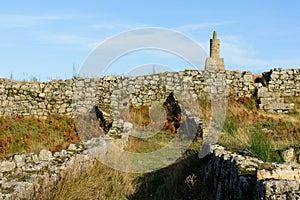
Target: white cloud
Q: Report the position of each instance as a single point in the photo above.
(193, 27)
(117, 26)
(10, 21)
(240, 55)
(68, 39)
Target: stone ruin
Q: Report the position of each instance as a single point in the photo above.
(230, 175)
(36, 176)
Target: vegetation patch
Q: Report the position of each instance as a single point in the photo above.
(178, 181)
(31, 134)
(262, 134)
(245, 127)
(145, 145)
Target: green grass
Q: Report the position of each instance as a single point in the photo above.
(144, 145)
(262, 147)
(231, 126)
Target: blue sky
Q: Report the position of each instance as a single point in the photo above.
(46, 39)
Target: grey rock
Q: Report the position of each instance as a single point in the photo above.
(20, 160)
(75, 147)
(45, 155)
(6, 166)
(289, 155)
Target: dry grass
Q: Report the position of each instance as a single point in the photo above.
(101, 182)
(144, 145)
(173, 182)
(140, 115)
(262, 133)
(31, 134)
(204, 108)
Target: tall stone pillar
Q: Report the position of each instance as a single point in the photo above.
(214, 62)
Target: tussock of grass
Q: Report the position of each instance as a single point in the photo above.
(101, 182)
(204, 107)
(231, 126)
(140, 115)
(262, 147)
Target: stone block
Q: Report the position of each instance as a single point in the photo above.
(6, 166)
(45, 155)
(20, 160)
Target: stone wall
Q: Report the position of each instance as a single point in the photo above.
(65, 96)
(276, 86)
(233, 176)
(38, 176)
(32, 176)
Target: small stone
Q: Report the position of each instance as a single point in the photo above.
(127, 126)
(20, 160)
(61, 110)
(289, 155)
(25, 190)
(248, 78)
(35, 158)
(6, 166)
(69, 93)
(45, 155)
(56, 154)
(42, 95)
(74, 147)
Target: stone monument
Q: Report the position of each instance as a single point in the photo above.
(214, 62)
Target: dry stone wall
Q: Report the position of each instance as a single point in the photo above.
(38, 176)
(275, 87)
(233, 176)
(65, 96)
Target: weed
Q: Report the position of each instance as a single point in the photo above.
(144, 145)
